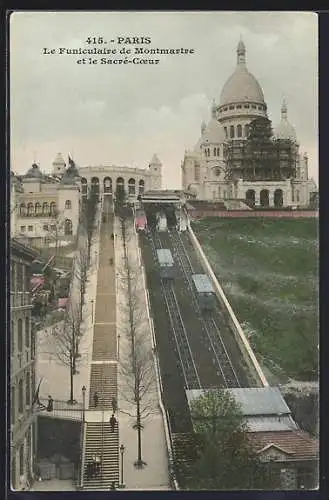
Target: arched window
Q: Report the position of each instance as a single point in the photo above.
(141, 187)
(218, 151)
(297, 196)
(250, 197)
(232, 131)
(219, 192)
(264, 198)
(278, 198)
(131, 186)
(45, 208)
(20, 396)
(52, 209)
(38, 209)
(28, 389)
(225, 132)
(197, 172)
(84, 185)
(68, 231)
(22, 209)
(27, 331)
(95, 185)
(20, 335)
(215, 151)
(68, 204)
(30, 208)
(239, 131)
(246, 130)
(107, 185)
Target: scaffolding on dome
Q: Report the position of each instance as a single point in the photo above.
(273, 160)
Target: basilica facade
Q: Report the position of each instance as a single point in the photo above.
(215, 168)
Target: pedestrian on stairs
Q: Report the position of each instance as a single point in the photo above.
(113, 422)
(96, 399)
(114, 404)
(113, 486)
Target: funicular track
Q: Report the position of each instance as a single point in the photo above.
(211, 329)
(191, 377)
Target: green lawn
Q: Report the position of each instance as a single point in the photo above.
(269, 271)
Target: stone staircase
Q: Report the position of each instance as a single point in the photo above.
(104, 380)
(99, 440)
(105, 342)
(102, 442)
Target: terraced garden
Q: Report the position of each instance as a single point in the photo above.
(269, 271)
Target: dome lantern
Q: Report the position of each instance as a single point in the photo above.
(213, 109)
(242, 86)
(241, 53)
(284, 130)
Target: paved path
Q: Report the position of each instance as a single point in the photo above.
(56, 376)
(154, 476)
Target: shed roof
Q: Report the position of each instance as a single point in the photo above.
(202, 283)
(253, 400)
(165, 257)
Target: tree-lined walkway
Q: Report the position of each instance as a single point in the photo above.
(99, 440)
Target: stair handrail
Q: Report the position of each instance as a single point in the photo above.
(83, 452)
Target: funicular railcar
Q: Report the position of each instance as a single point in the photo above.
(205, 291)
(166, 264)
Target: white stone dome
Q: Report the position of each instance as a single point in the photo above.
(242, 86)
(284, 130)
(213, 133)
(59, 160)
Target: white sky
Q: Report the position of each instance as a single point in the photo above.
(121, 115)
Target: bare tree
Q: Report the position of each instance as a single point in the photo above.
(136, 360)
(81, 266)
(66, 339)
(55, 228)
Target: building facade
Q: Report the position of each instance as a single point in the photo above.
(22, 381)
(107, 179)
(213, 169)
(46, 207)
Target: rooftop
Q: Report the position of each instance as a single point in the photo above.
(254, 400)
(297, 444)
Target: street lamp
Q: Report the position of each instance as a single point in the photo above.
(84, 402)
(122, 450)
(92, 310)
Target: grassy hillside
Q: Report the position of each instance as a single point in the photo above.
(269, 271)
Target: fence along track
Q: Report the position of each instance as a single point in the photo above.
(191, 376)
(223, 359)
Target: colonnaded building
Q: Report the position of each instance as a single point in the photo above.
(46, 207)
(221, 167)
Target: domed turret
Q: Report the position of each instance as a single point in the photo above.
(34, 172)
(242, 86)
(213, 133)
(155, 161)
(59, 165)
(284, 129)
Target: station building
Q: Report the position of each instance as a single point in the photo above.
(46, 207)
(215, 168)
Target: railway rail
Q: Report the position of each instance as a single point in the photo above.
(225, 365)
(190, 372)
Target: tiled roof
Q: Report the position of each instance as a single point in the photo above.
(298, 444)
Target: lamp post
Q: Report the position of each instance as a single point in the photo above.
(122, 450)
(92, 310)
(84, 403)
